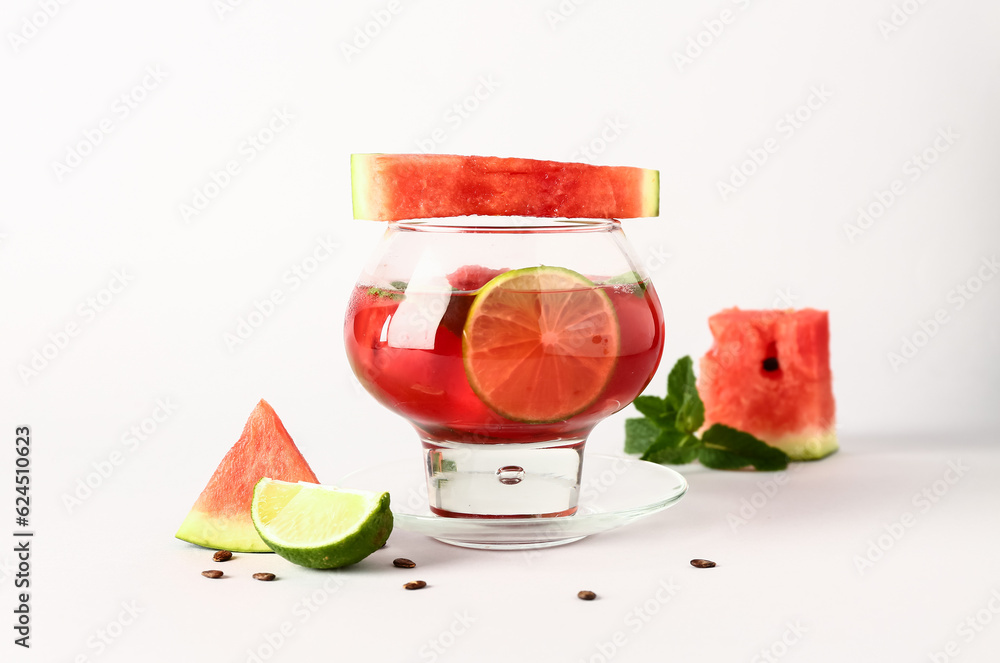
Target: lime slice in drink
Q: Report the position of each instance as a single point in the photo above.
(540, 344)
(320, 526)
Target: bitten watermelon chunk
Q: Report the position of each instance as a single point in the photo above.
(391, 187)
(768, 373)
(221, 516)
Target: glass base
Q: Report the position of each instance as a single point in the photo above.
(539, 480)
(477, 545)
(614, 491)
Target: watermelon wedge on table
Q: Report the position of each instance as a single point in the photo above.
(393, 187)
(221, 517)
(768, 373)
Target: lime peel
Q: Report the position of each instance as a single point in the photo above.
(320, 526)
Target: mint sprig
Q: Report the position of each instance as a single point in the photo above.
(666, 431)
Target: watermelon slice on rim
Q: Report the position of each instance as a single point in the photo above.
(768, 373)
(393, 187)
(221, 517)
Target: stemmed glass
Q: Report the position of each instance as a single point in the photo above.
(504, 341)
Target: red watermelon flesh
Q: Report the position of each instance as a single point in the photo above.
(768, 373)
(221, 517)
(473, 277)
(465, 279)
(392, 187)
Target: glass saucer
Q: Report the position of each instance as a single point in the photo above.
(614, 491)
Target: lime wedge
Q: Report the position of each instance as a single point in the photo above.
(320, 526)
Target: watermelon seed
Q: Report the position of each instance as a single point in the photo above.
(403, 563)
(222, 556)
(214, 573)
(702, 563)
(416, 584)
(264, 576)
(586, 595)
(771, 364)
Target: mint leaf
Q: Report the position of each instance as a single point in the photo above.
(725, 448)
(683, 398)
(387, 294)
(691, 414)
(681, 381)
(650, 406)
(630, 279)
(640, 433)
(674, 448)
(657, 410)
(399, 285)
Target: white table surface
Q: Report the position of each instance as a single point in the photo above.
(794, 581)
(564, 85)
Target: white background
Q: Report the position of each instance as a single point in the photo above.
(560, 76)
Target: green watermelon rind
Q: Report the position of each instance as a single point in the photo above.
(360, 180)
(651, 194)
(806, 446)
(208, 531)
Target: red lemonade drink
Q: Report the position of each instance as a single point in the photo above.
(430, 386)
